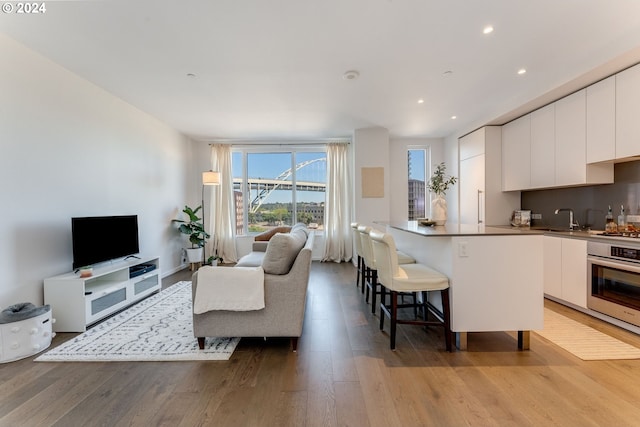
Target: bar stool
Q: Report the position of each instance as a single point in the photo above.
(408, 278)
(360, 282)
(371, 270)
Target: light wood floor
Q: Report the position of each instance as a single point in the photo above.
(342, 375)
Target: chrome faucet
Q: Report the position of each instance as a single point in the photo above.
(572, 224)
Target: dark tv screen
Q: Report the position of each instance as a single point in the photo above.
(103, 238)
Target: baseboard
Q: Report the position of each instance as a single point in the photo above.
(174, 270)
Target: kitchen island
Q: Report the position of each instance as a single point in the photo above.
(495, 274)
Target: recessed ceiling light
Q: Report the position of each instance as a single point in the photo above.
(420, 101)
(447, 73)
(191, 75)
(454, 117)
(522, 71)
(487, 30)
(351, 75)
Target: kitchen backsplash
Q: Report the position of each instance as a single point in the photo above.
(589, 203)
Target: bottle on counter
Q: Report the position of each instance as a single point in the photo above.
(622, 220)
(610, 224)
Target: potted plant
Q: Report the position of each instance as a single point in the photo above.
(194, 228)
(439, 183)
(213, 260)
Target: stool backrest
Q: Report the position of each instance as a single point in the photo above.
(356, 238)
(367, 247)
(384, 251)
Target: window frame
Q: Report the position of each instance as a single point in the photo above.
(245, 150)
(427, 175)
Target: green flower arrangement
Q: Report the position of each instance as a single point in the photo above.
(439, 183)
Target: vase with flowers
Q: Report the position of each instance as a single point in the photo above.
(438, 184)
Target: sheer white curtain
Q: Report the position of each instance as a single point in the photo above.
(337, 208)
(222, 209)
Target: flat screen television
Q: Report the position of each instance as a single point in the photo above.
(102, 238)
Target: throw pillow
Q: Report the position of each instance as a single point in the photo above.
(282, 251)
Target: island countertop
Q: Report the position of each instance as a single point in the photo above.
(455, 229)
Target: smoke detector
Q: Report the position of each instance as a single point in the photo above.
(351, 75)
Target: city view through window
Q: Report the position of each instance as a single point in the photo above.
(417, 191)
(267, 186)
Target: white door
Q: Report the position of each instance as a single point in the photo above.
(472, 173)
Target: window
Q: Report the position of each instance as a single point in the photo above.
(268, 183)
(417, 161)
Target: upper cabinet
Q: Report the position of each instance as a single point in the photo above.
(516, 154)
(557, 143)
(628, 113)
(601, 121)
(543, 142)
(571, 139)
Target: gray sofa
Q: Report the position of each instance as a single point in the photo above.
(286, 261)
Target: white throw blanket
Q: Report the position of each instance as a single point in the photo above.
(229, 288)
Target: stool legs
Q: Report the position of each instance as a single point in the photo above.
(447, 318)
(391, 311)
(373, 285)
(360, 270)
(383, 308)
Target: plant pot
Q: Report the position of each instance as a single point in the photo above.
(194, 255)
(439, 210)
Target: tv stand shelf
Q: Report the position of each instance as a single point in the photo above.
(78, 302)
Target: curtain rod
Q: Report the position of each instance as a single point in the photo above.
(266, 144)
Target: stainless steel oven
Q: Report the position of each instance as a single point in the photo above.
(614, 280)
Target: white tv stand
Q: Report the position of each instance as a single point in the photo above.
(77, 302)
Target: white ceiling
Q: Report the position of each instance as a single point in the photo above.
(272, 69)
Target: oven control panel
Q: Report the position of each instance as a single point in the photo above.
(626, 253)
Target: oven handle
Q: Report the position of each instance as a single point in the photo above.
(620, 265)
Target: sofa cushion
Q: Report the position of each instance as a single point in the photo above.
(282, 251)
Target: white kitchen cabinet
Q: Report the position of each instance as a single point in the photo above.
(565, 269)
(543, 142)
(557, 143)
(574, 271)
(571, 145)
(552, 266)
(601, 121)
(571, 139)
(471, 184)
(516, 154)
(628, 113)
(482, 200)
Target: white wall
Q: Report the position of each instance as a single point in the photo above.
(71, 149)
(370, 148)
(451, 158)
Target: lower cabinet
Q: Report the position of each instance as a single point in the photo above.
(565, 269)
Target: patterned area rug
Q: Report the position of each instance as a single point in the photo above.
(584, 341)
(158, 328)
